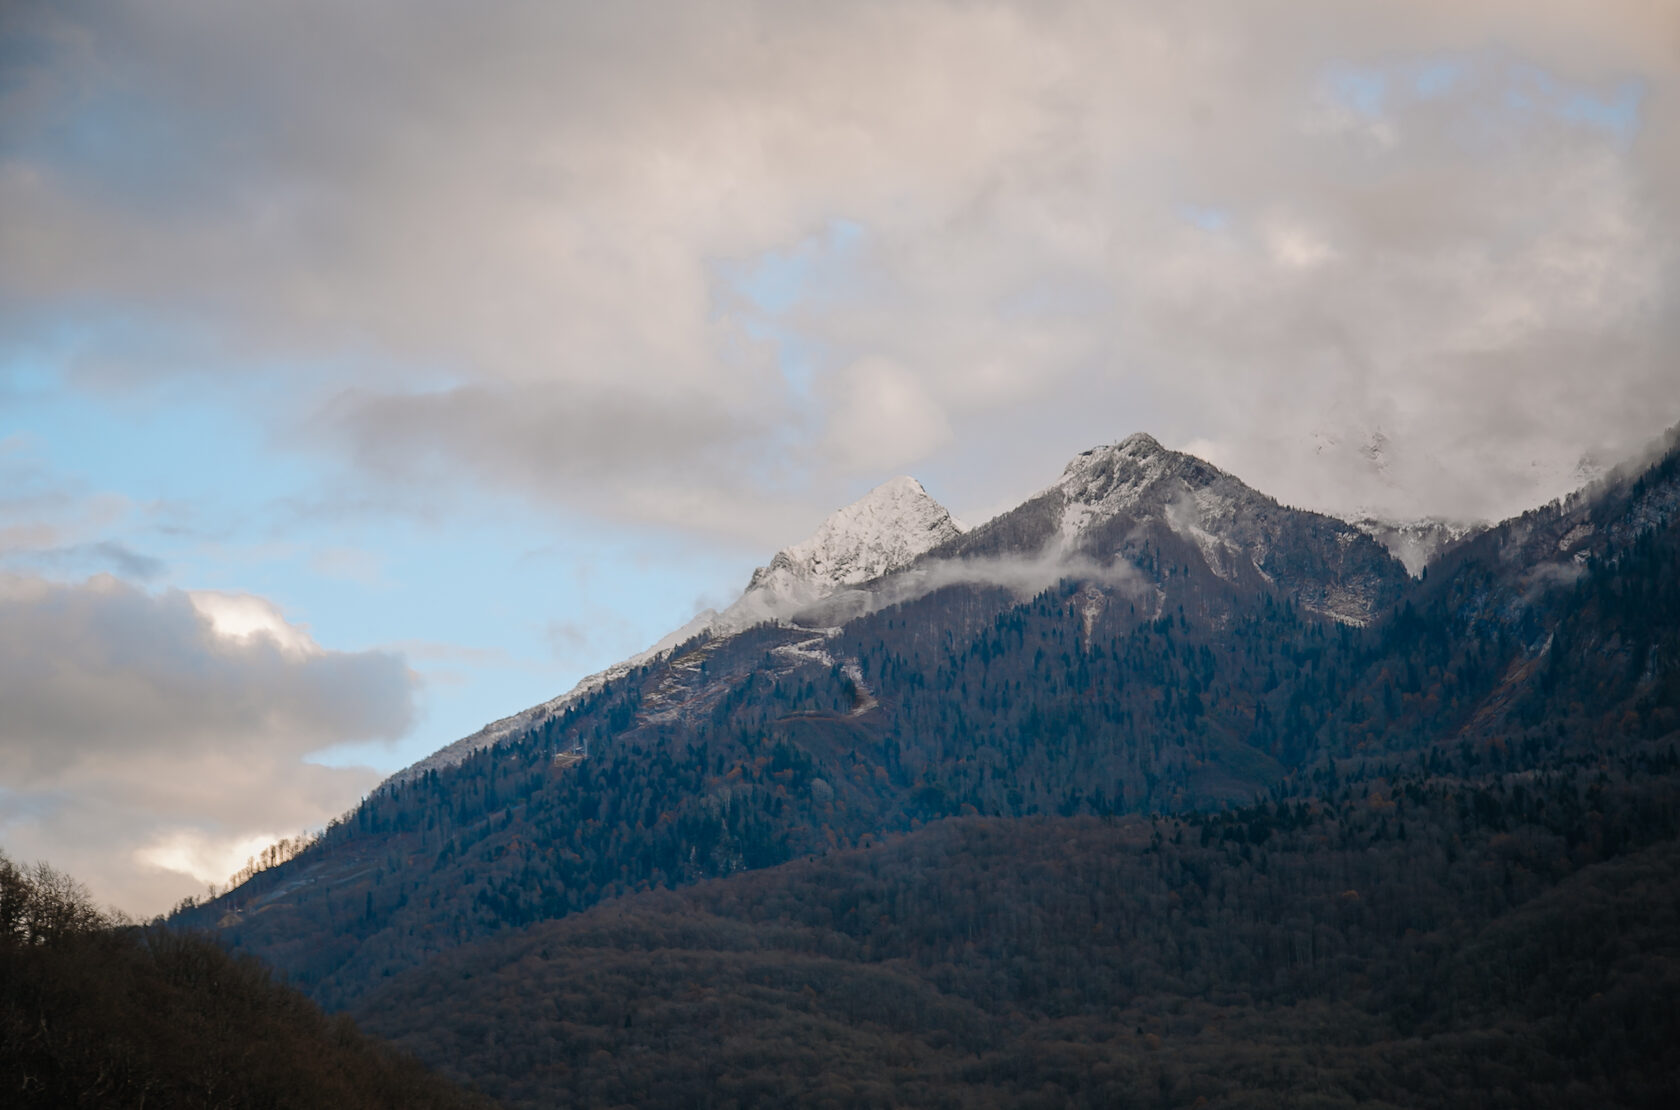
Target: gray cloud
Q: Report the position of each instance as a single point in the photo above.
(1277, 233)
(676, 454)
(94, 669)
(105, 555)
(147, 737)
(128, 562)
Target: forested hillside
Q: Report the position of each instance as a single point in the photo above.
(1415, 938)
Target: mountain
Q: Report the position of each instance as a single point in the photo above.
(1147, 635)
(1111, 503)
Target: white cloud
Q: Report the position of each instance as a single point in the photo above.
(206, 859)
(1297, 247)
(882, 416)
(243, 619)
(148, 737)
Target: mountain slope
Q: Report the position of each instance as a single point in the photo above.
(882, 532)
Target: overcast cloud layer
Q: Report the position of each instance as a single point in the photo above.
(711, 269)
(664, 259)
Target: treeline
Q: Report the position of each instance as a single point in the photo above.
(1413, 939)
(286, 848)
(100, 1013)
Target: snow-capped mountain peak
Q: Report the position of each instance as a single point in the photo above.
(1137, 447)
(1117, 498)
(1139, 476)
(883, 531)
(880, 532)
(1115, 471)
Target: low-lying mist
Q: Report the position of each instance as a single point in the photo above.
(1023, 577)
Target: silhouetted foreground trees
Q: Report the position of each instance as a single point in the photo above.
(96, 1013)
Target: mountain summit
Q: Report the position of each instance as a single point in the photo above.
(1147, 504)
(1135, 476)
(883, 531)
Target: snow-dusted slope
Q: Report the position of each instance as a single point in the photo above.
(1103, 482)
(524, 721)
(882, 532)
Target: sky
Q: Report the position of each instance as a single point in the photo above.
(372, 371)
